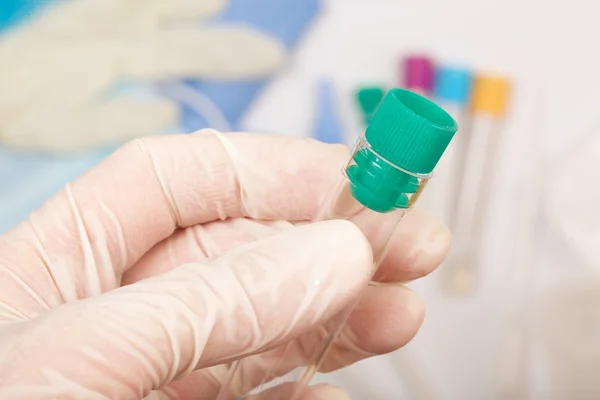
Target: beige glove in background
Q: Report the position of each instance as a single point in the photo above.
(59, 70)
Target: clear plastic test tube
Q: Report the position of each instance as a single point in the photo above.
(389, 167)
(452, 92)
(327, 127)
(369, 98)
(418, 74)
(489, 101)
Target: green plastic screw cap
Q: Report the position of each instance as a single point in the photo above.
(410, 131)
(407, 131)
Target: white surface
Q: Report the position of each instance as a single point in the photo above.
(442, 191)
(539, 44)
(570, 339)
(579, 219)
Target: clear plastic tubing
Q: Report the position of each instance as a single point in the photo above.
(489, 100)
(389, 168)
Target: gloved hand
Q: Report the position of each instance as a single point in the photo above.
(179, 254)
(61, 73)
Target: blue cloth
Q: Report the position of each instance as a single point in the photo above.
(328, 127)
(283, 19)
(14, 11)
(27, 180)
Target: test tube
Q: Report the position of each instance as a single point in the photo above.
(452, 91)
(488, 105)
(418, 74)
(389, 167)
(328, 127)
(369, 98)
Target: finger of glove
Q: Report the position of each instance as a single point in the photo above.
(108, 123)
(47, 75)
(124, 343)
(85, 237)
(385, 319)
(396, 308)
(191, 9)
(208, 53)
(200, 242)
(420, 244)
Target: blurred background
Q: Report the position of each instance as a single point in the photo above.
(519, 292)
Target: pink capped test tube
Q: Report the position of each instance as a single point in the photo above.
(418, 72)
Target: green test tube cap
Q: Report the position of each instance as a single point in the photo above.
(407, 131)
(369, 98)
(410, 131)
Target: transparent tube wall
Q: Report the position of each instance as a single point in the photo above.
(471, 203)
(265, 370)
(441, 198)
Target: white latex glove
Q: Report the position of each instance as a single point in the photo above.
(57, 70)
(179, 254)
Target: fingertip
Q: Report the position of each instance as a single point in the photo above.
(337, 244)
(415, 306)
(291, 281)
(351, 239)
(420, 245)
(288, 390)
(337, 150)
(387, 318)
(341, 249)
(411, 313)
(326, 392)
(439, 244)
(431, 239)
